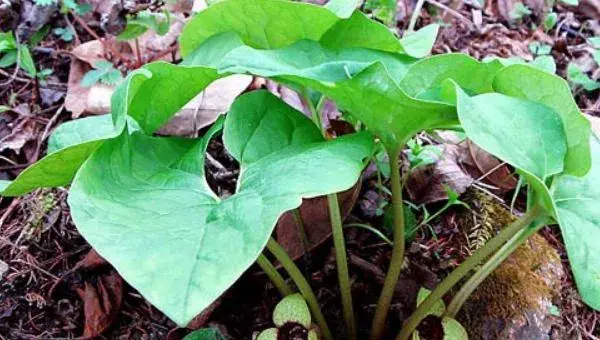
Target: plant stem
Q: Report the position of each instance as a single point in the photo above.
(482, 273)
(484, 252)
(338, 233)
(371, 229)
(391, 279)
(274, 275)
(415, 15)
(288, 264)
(342, 264)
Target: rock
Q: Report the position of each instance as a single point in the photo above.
(516, 301)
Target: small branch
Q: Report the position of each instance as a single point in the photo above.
(415, 15)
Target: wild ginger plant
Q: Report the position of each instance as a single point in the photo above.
(143, 203)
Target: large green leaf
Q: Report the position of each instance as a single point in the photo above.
(4, 184)
(304, 59)
(144, 205)
(418, 44)
(69, 146)
(525, 134)
(426, 77)
(80, 131)
(360, 31)
(373, 97)
(577, 202)
(260, 23)
(153, 94)
(273, 24)
(342, 8)
(259, 124)
(526, 82)
(358, 80)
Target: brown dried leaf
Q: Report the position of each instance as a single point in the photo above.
(496, 174)
(426, 184)
(207, 106)
(96, 98)
(315, 217)
(102, 297)
(589, 8)
(101, 303)
(25, 130)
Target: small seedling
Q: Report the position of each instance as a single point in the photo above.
(519, 11)
(580, 79)
(205, 334)
(292, 319)
(104, 72)
(570, 2)
(539, 49)
(453, 330)
(14, 53)
(64, 33)
(420, 155)
(141, 22)
(550, 21)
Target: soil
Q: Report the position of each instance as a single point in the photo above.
(41, 250)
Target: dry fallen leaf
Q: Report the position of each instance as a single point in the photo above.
(489, 168)
(315, 217)
(206, 107)
(96, 98)
(426, 184)
(102, 296)
(22, 130)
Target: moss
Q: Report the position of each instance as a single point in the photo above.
(517, 285)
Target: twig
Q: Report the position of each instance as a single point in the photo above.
(453, 13)
(14, 75)
(70, 24)
(97, 37)
(46, 130)
(13, 205)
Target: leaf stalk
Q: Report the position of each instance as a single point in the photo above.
(461, 271)
(342, 264)
(391, 279)
(337, 229)
(273, 275)
(288, 264)
(491, 264)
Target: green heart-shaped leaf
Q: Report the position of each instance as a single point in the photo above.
(161, 89)
(530, 83)
(303, 59)
(69, 146)
(371, 94)
(577, 202)
(525, 134)
(426, 77)
(144, 205)
(260, 23)
(342, 8)
(292, 308)
(273, 24)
